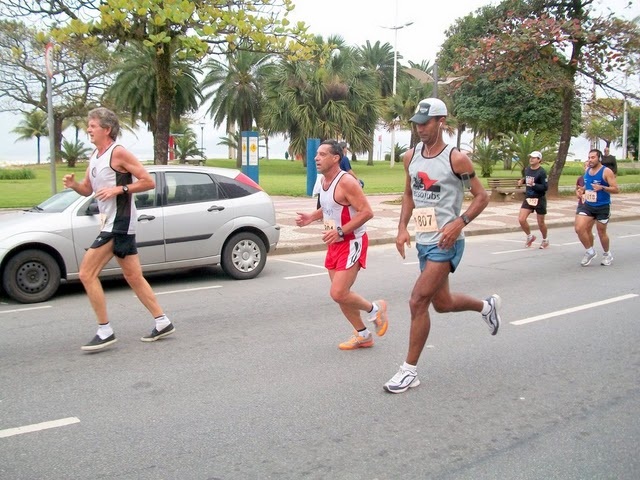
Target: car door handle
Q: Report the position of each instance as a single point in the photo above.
(215, 207)
(146, 217)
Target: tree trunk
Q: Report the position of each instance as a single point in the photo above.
(57, 128)
(163, 108)
(373, 145)
(38, 140)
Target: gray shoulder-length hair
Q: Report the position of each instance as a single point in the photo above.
(107, 119)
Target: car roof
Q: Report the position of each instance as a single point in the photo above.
(227, 172)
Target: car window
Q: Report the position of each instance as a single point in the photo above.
(146, 199)
(232, 188)
(189, 187)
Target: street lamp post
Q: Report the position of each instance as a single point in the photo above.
(202, 138)
(395, 29)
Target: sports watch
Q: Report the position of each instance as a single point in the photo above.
(465, 219)
(125, 189)
(340, 232)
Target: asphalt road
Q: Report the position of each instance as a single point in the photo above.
(253, 386)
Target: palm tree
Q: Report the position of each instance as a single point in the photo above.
(34, 124)
(328, 96)
(378, 59)
(518, 146)
(72, 152)
(134, 88)
(235, 88)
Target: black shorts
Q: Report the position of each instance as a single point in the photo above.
(540, 208)
(123, 244)
(601, 213)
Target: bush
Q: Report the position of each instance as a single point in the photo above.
(16, 174)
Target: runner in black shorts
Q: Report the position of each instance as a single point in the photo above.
(599, 183)
(535, 179)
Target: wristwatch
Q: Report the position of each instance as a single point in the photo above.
(465, 219)
(340, 232)
(125, 189)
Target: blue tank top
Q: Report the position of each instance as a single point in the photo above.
(601, 197)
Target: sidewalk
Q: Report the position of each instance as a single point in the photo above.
(382, 228)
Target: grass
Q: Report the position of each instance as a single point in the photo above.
(277, 177)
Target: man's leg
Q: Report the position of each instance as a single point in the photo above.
(431, 280)
(542, 225)
(133, 275)
(350, 302)
(92, 264)
(523, 220)
(603, 235)
(584, 227)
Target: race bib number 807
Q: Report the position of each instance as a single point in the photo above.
(424, 219)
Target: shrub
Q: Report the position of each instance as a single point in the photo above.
(16, 174)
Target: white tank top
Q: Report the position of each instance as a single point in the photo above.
(335, 214)
(435, 186)
(117, 214)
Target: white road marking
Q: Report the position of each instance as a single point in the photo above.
(630, 236)
(573, 309)
(509, 251)
(26, 309)
(36, 427)
(299, 263)
(188, 290)
(411, 263)
(306, 276)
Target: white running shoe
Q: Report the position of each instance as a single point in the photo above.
(586, 260)
(607, 259)
(402, 381)
(493, 317)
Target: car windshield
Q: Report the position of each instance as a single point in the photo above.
(58, 203)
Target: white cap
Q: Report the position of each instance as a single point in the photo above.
(429, 108)
(536, 154)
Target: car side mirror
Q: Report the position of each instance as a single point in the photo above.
(92, 208)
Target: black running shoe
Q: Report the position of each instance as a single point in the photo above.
(98, 343)
(157, 335)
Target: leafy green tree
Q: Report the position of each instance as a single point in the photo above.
(552, 44)
(135, 91)
(171, 30)
(186, 146)
(71, 152)
(81, 74)
(34, 124)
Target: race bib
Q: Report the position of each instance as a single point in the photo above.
(590, 196)
(532, 201)
(425, 219)
(329, 224)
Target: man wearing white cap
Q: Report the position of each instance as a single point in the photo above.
(535, 179)
(437, 175)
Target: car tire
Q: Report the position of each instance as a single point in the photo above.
(31, 276)
(244, 256)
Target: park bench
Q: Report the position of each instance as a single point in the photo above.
(503, 189)
(194, 161)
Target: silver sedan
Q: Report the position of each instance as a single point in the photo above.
(196, 216)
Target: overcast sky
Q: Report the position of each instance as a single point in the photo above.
(356, 21)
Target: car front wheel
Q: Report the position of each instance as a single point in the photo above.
(31, 276)
(244, 256)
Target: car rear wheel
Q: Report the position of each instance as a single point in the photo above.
(31, 276)
(244, 256)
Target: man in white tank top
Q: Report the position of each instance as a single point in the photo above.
(436, 177)
(111, 173)
(344, 209)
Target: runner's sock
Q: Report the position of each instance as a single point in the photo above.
(364, 332)
(408, 366)
(162, 322)
(105, 330)
(373, 312)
